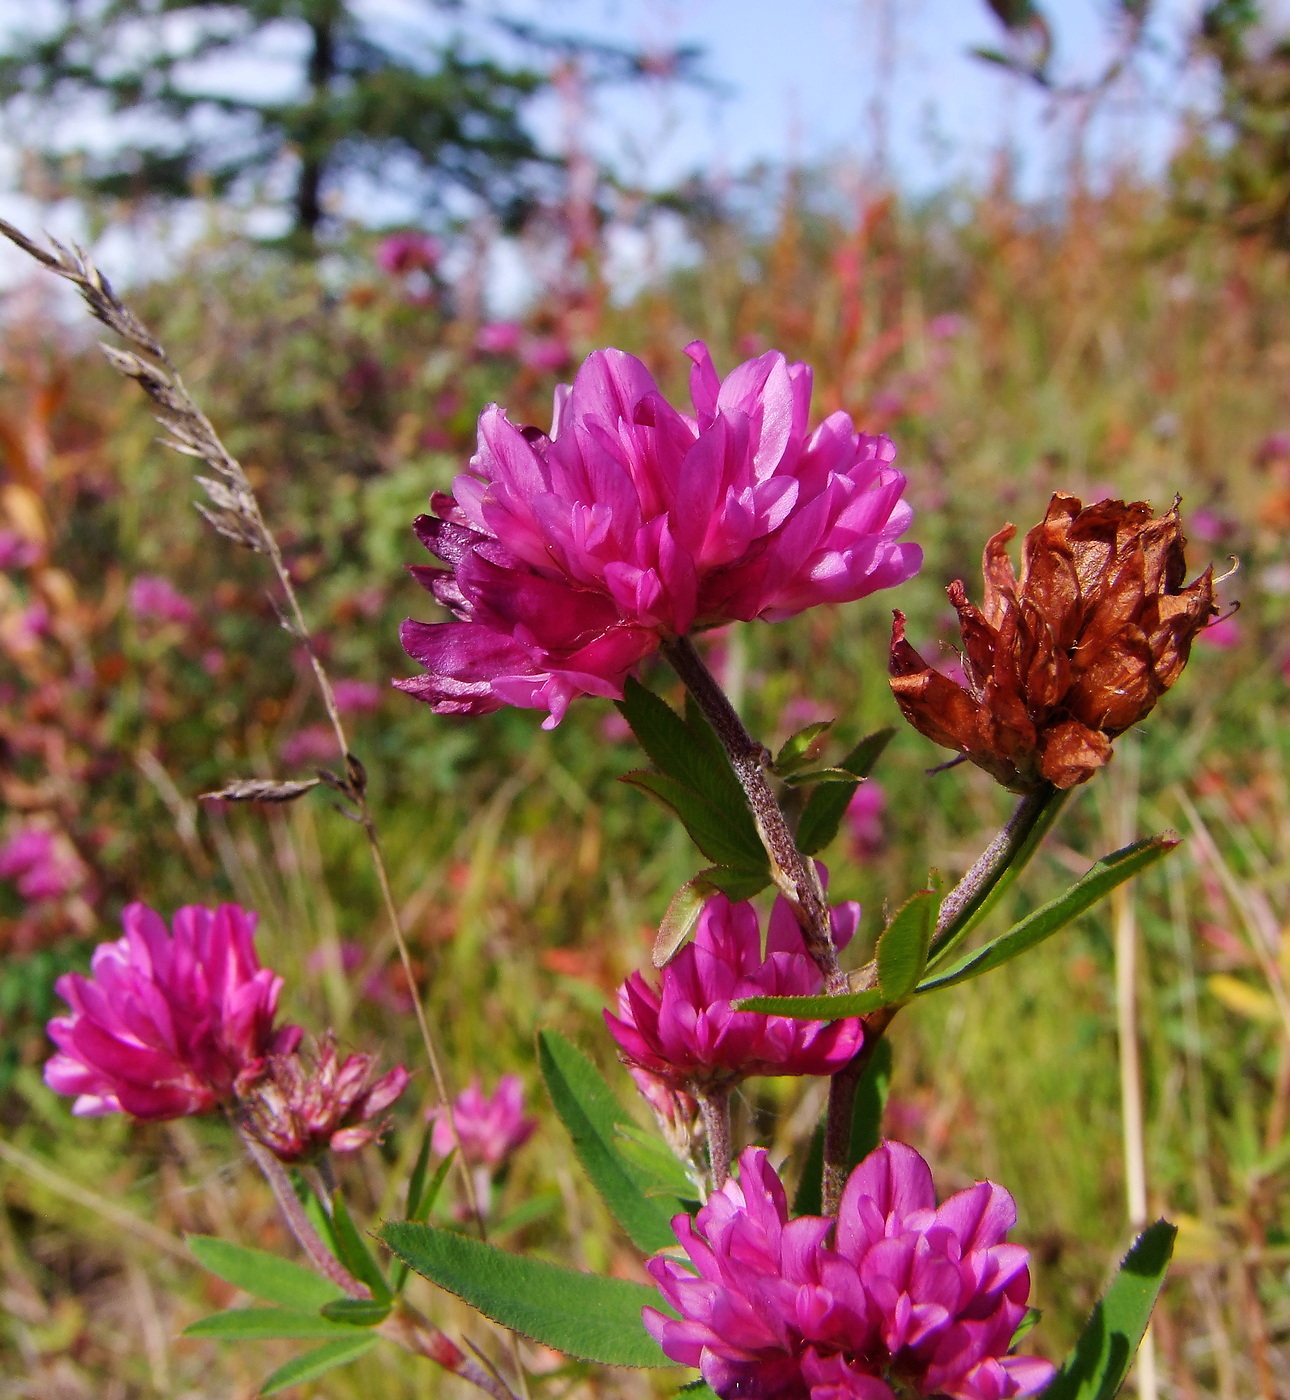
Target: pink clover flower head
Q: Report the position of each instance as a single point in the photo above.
(896, 1297)
(499, 337)
(545, 353)
(864, 820)
(401, 254)
(17, 551)
(356, 697)
(571, 556)
(304, 1105)
(155, 599)
(39, 865)
(489, 1127)
(685, 1030)
(168, 1023)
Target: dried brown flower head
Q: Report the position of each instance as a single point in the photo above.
(1060, 662)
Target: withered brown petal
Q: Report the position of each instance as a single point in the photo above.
(1114, 681)
(1000, 578)
(1072, 754)
(938, 708)
(978, 639)
(1049, 580)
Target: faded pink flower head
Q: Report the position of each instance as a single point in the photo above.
(356, 697)
(155, 599)
(894, 1298)
(545, 353)
(864, 820)
(499, 337)
(489, 1127)
(686, 1032)
(571, 556)
(40, 866)
(303, 1105)
(17, 551)
(400, 254)
(315, 743)
(167, 1024)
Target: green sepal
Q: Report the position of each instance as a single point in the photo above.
(801, 749)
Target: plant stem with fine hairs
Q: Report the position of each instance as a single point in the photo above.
(714, 1104)
(841, 1111)
(794, 875)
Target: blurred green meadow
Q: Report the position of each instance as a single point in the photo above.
(1098, 347)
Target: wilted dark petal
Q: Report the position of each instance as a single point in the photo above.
(931, 702)
(1000, 577)
(978, 639)
(1113, 684)
(1049, 580)
(1072, 753)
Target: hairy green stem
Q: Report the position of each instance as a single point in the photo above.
(714, 1103)
(794, 875)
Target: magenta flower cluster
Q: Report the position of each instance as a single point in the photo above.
(168, 1026)
(39, 865)
(894, 1298)
(571, 556)
(687, 1033)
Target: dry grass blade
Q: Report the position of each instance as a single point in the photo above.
(262, 790)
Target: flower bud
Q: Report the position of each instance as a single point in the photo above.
(1062, 661)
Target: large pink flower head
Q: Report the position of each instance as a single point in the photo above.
(166, 1025)
(571, 556)
(686, 1032)
(896, 1297)
(489, 1126)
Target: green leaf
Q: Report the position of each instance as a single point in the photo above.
(1099, 881)
(871, 1103)
(526, 1213)
(591, 1113)
(654, 1161)
(823, 813)
(736, 883)
(1100, 1360)
(582, 1315)
(318, 1362)
(726, 835)
(263, 1275)
(866, 1130)
(903, 947)
(259, 1324)
(417, 1181)
(817, 1008)
(698, 1390)
(357, 1312)
(801, 748)
(425, 1199)
(354, 1253)
(680, 747)
(824, 775)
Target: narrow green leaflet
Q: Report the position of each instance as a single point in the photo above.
(357, 1312)
(679, 748)
(354, 1253)
(1100, 880)
(654, 1160)
(823, 813)
(259, 1324)
(866, 1130)
(317, 1362)
(582, 1315)
(817, 1008)
(1100, 1360)
(424, 1197)
(263, 1275)
(724, 834)
(903, 947)
(591, 1113)
(417, 1181)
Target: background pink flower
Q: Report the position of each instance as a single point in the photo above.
(40, 865)
(570, 557)
(489, 1126)
(155, 599)
(167, 1024)
(399, 254)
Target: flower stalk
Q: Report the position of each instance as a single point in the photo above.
(714, 1104)
(794, 875)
